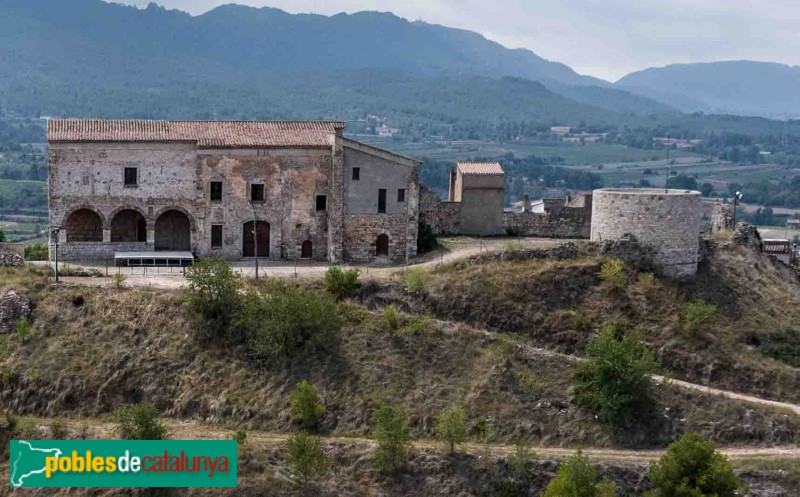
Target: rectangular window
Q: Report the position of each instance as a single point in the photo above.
(382, 201)
(130, 176)
(256, 193)
(356, 173)
(216, 191)
(216, 236)
(401, 194)
(322, 202)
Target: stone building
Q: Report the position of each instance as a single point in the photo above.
(228, 189)
(668, 221)
(480, 189)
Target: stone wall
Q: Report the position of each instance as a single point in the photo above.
(558, 221)
(443, 217)
(722, 217)
(12, 254)
(362, 231)
(669, 222)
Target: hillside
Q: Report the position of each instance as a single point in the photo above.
(500, 334)
(732, 87)
(90, 58)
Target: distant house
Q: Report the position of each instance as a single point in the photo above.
(561, 130)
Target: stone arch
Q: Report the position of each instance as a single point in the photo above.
(382, 245)
(81, 207)
(173, 231)
(307, 250)
(128, 225)
(84, 224)
(161, 211)
(127, 207)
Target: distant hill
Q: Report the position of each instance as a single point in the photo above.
(735, 87)
(91, 58)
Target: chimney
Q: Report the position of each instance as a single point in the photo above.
(526, 203)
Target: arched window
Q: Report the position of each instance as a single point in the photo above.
(128, 226)
(84, 225)
(173, 231)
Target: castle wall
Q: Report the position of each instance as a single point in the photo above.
(669, 222)
(444, 218)
(556, 222)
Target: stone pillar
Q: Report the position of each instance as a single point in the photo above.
(336, 204)
(151, 236)
(722, 217)
(526, 203)
(106, 235)
(62, 235)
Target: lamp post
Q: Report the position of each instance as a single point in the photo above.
(666, 181)
(55, 233)
(255, 237)
(736, 198)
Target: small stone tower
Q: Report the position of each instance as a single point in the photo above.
(480, 188)
(722, 217)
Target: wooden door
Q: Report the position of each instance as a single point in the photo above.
(249, 239)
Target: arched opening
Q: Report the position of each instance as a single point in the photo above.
(306, 250)
(128, 226)
(173, 231)
(382, 246)
(250, 236)
(84, 225)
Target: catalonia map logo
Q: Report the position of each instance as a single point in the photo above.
(123, 463)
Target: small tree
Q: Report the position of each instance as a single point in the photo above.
(391, 317)
(213, 292)
(140, 422)
(451, 426)
(390, 429)
(2, 236)
(692, 467)
(698, 314)
(305, 406)
(578, 478)
(426, 239)
(305, 456)
(341, 283)
(614, 381)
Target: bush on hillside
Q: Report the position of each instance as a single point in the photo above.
(426, 239)
(391, 317)
(390, 430)
(140, 422)
(698, 314)
(213, 293)
(305, 406)
(578, 478)
(285, 321)
(692, 467)
(342, 283)
(614, 381)
(451, 426)
(417, 279)
(612, 273)
(305, 456)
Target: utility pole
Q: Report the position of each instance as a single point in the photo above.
(736, 198)
(255, 237)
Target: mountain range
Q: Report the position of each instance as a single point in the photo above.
(92, 58)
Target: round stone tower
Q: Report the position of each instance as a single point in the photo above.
(668, 221)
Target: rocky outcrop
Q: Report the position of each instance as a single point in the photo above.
(11, 254)
(13, 307)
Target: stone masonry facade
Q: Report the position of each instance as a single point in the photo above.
(228, 189)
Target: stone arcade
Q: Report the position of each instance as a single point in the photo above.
(229, 189)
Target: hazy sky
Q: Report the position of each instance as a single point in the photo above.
(604, 38)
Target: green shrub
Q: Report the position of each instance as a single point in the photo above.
(305, 456)
(451, 426)
(305, 406)
(417, 327)
(426, 239)
(783, 345)
(391, 317)
(118, 280)
(140, 422)
(36, 252)
(614, 381)
(580, 322)
(612, 273)
(417, 279)
(2, 236)
(520, 459)
(698, 314)
(578, 478)
(23, 329)
(284, 320)
(213, 293)
(342, 283)
(692, 467)
(57, 430)
(390, 430)
(484, 432)
(513, 246)
(528, 383)
(240, 436)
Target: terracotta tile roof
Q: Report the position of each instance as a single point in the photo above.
(489, 168)
(207, 134)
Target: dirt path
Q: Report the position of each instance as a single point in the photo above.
(188, 430)
(457, 248)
